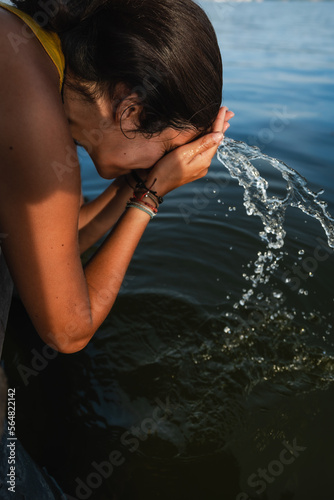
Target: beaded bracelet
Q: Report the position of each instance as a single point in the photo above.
(148, 211)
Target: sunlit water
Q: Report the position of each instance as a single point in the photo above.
(220, 347)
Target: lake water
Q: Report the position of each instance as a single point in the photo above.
(189, 390)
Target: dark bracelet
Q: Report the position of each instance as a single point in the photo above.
(140, 184)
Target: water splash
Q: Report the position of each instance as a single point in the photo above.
(237, 157)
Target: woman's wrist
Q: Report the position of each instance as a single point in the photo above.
(145, 191)
(146, 197)
(143, 207)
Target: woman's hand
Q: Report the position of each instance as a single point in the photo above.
(191, 161)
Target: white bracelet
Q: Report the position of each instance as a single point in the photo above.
(143, 208)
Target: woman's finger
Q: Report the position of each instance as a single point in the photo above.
(219, 122)
(202, 155)
(229, 115)
(226, 126)
(202, 145)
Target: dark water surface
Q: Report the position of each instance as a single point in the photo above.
(187, 391)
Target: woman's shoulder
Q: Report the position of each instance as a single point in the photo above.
(23, 60)
(34, 131)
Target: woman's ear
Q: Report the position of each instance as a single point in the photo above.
(128, 112)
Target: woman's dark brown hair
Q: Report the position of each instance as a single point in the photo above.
(165, 51)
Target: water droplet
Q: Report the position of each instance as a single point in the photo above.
(227, 329)
(219, 201)
(301, 252)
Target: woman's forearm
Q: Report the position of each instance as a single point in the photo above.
(102, 213)
(104, 276)
(105, 219)
(90, 210)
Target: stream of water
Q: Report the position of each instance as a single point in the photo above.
(240, 160)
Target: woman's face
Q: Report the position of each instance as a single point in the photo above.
(110, 141)
(117, 154)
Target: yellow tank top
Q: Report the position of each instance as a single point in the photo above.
(50, 41)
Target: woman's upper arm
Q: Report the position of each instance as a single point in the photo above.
(39, 201)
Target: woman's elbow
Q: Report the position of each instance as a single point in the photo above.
(72, 347)
(66, 344)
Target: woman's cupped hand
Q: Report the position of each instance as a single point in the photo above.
(191, 161)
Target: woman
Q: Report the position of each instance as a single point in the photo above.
(138, 84)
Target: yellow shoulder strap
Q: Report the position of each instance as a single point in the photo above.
(49, 40)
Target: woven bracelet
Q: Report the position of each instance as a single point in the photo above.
(140, 200)
(148, 211)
